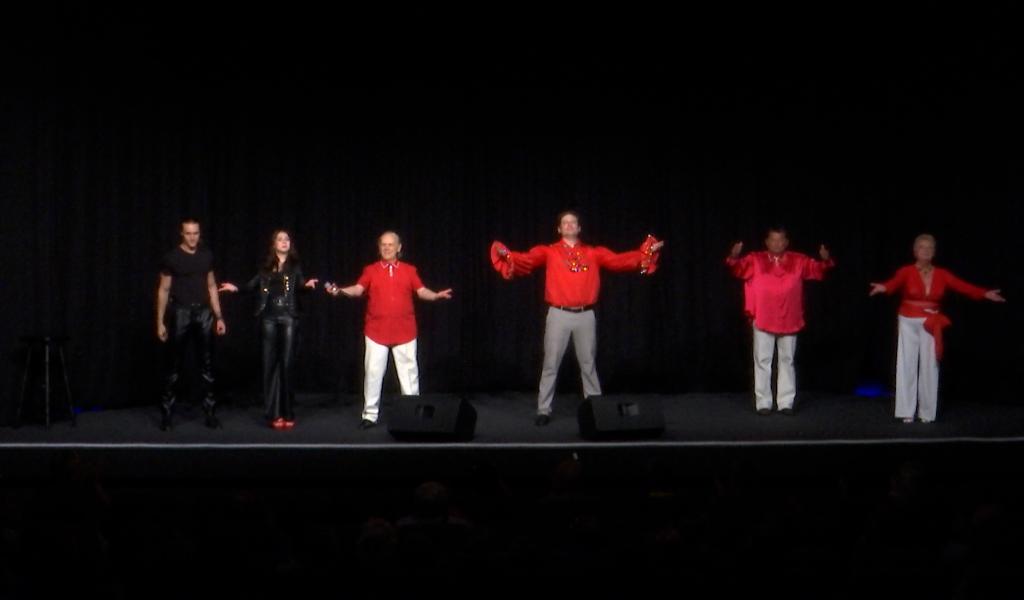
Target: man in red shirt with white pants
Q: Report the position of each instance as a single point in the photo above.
(390, 321)
(773, 287)
(572, 282)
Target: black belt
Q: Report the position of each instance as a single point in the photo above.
(191, 307)
(574, 309)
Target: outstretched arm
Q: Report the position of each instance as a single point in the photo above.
(893, 285)
(430, 295)
(250, 286)
(304, 284)
(645, 259)
(516, 264)
(972, 291)
(352, 291)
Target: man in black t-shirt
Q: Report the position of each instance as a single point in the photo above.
(186, 279)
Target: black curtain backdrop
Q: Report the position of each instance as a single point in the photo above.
(458, 129)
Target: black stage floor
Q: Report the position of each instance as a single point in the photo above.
(326, 438)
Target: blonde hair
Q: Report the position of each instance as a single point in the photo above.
(398, 240)
(925, 237)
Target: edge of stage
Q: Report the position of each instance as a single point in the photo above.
(327, 442)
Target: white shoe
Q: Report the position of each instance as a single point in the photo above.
(927, 420)
(908, 419)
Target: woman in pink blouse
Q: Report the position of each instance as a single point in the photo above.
(919, 349)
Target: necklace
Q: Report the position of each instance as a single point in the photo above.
(574, 259)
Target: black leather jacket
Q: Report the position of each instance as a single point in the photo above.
(293, 281)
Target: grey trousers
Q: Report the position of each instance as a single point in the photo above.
(558, 328)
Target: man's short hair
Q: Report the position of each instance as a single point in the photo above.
(566, 213)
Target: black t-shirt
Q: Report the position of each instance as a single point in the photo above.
(188, 275)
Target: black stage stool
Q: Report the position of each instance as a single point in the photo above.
(47, 344)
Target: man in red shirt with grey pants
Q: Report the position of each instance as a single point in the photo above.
(572, 283)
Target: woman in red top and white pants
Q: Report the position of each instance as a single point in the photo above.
(919, 348)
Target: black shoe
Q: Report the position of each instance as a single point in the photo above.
(165, 422)
(542, 420)
(764, 411)
(786, 411)
(366, 424)
(212, 421)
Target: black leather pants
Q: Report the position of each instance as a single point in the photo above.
(189, 324)
(279, 332)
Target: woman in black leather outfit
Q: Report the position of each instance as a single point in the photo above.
(277, 282)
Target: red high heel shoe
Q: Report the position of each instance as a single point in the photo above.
(278, 423)
(289, 423)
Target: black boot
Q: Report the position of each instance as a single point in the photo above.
(165, 419)
(167, 402)
(211, 418)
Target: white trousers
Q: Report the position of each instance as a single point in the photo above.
(764, 350)
(376, 364)
(917, 371)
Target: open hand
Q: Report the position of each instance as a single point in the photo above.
(994, 296)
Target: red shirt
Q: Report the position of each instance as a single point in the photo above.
(919, 303)
(390, 318)
(908, 280)
(573, 276)
(773, 289)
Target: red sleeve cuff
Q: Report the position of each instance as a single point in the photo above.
(649, 257)
(501, 264)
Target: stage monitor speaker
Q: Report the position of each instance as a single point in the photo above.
(620, 417)
(431, 418)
